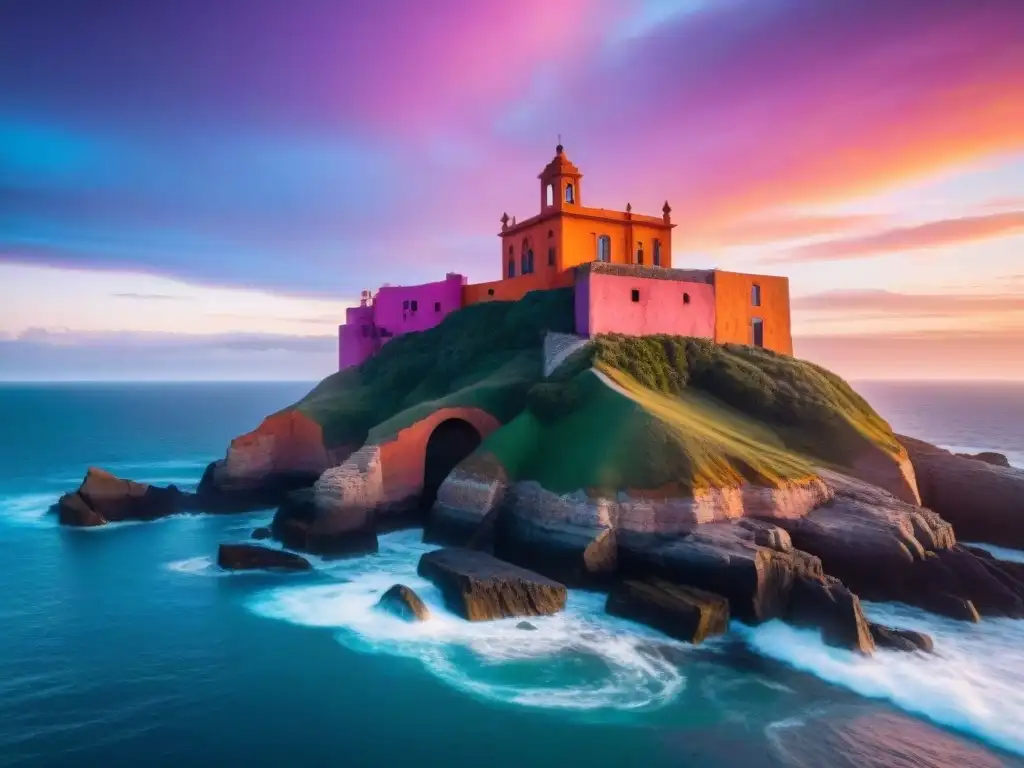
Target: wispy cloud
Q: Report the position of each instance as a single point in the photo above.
(792, 227)
(933, 234)
(882, 302)
(150, 296)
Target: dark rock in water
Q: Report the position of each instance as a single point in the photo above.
(218, 493)
(983, 500)
(247, 557)
(402, 602)
(894, 639)
(682, 612)
(480, 587)
(989, 457)
(261, 533)
(526, 625)
(103, 498)
(829, 606)
(340, 534)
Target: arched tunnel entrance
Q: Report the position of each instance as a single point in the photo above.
(450, 442)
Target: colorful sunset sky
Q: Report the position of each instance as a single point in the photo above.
(193, 189)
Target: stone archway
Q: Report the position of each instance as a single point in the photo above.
(451, 441)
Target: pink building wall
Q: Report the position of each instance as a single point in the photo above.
(394, 311)
(604, 304)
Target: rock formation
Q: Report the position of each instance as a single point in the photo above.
(298, 526)
(982, 500)
(479, 587)
(679, 611)
(402, 602)
(103, 498)
(249, 557)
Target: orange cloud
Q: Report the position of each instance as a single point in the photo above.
(881, 302)
(795, 227)
(933, 234)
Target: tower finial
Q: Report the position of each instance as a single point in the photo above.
(559, 149)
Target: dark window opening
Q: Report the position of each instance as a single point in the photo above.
(657, 253)
(639, 253)
(551, 257)
(757, 331)
(686, 298)
(511, 267)
(490, 291)
(755, 295)
(570, 197)
(604, 248)
(437, 306)
(405, 304)
(415, 305)
(636, 295)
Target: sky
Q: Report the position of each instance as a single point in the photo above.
(196, 190)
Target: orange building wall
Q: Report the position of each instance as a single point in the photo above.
(734, 310)
(579, 240)
(516, 288)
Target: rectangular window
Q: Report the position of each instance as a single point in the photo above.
(437, 306)
(755, 295)
(636, 295)
(551, 257)
(415, 305)
(405, 304)
(757, 331)
(490, 291)
(657, 253)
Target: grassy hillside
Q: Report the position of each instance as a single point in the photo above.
(485, 355)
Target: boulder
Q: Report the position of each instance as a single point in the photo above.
(218, 492)
(983, 501)
(829, 606)
(298, 525)
(893, 639)
(467, 504)
(402, 602)
(989, 457)
(682, 612)
(525, 625)
(480, 587)
(261, 533)
(248, 557)
(103, 498)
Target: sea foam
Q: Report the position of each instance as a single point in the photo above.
(579, 659)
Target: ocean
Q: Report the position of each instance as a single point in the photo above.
(125, 646)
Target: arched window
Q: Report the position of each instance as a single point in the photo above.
(570, 196)
(604, 248)
(550, 195)
(527, 260)
(511, 267)
(657, 253)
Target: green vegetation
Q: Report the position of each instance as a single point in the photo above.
(486, 355)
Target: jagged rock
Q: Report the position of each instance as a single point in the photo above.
(103, 498)
(261, 533)
(218, 492)
(298, 525)
(467, 504)
(248, 557)
(829, 606)
(887, 550)
(479, 587)
(679, 611)
(894, 639)
(727, 559)
(402, 602)
(989, 457)
(983, 501)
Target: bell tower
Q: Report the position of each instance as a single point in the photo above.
(560, 184)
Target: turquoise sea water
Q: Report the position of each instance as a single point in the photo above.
(126, 646)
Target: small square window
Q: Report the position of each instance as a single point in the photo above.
(437, 306)
(415, 306)
(686, 298)
(490, 291)
(636, 295)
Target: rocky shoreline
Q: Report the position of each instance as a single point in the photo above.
(804, 553)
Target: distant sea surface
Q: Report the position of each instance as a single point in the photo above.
(125, 646)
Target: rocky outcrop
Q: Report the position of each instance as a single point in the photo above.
(989, 457)
(906, 640)
(103, 498)
(298, 525)
(983, 501)
(885, 549)
(825, 604)
(479, 587)
(402, 602)
(251, 557)
(262, 533)
(682, 612)
(472, 493)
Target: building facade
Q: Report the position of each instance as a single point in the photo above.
(619, 264)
